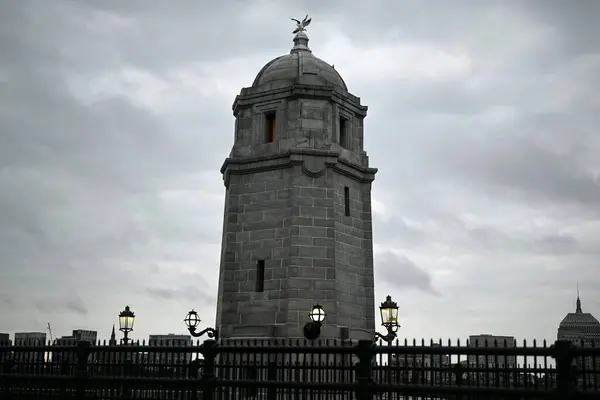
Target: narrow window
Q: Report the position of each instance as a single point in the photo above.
(343, 132)
(347, 201)
(260, 276)
(270, 127)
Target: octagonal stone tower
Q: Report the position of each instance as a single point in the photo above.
(297, 228)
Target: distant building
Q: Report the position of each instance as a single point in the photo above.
(30, 339)
(4, 339)
(582, 329)
(428, 360)
(170, 340)
(579, 326)
(492, 341)
(410, 367)
(78, 335)
(85, 336)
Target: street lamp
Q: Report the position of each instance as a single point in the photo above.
(312, 330)
(192, 320)
(126, 320)
(389, 319)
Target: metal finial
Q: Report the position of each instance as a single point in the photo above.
(301, 25)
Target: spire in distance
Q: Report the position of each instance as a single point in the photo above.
(113, 337)
(578, 310)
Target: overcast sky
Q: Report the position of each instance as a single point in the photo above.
(115, 117)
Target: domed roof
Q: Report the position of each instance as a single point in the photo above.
(579, 321)
(300, 66)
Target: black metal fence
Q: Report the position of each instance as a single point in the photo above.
(300, 370)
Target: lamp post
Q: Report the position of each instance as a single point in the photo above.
(126, 320)
(192, 320)
(312, 330)
(389, 319)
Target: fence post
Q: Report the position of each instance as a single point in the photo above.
(81, 374)
(193, 369)
(563, 354)
(364, 351)
(272, 376)
(7, 366)
(209, 351)
(458, 379)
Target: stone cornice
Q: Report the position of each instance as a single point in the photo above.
(314, 163)
(248, 97)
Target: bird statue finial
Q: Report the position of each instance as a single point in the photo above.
(301, 25)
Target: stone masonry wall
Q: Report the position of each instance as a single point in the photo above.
(311, 277)
(313, 254)
(301, 123)
(257, 228)
(353, 258)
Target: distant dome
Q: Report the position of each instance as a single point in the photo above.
(300, 66)
(580, 320)
(579, 324)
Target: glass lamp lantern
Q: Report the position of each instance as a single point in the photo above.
(389, 314)
(317, 314)
(192, 320)
(126, 320)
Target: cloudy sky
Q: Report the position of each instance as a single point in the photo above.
(115, 118)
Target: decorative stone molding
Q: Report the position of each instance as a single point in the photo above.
(314, 163)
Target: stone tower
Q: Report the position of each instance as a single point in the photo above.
(297, 229)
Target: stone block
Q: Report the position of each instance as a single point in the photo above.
(240, 276)
(302, 221)
(312, 232)
(231, 286)
(313, 212)
(262, 234)
(251, 245)
(318, 193)
(230, 266)
(281, 252)
(326, 285)
(324, 262)
(276, 185)
(323, 222)
(300, 262)
(316, 273)
(271, 243)
(282, 232)
(262, 254)
(323, 242)
(266, 205)
(300, 241)
(312, 252)
(298, 283)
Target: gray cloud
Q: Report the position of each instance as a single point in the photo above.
(403, 273)
(61, 303)
(185, 293)
(483, 121)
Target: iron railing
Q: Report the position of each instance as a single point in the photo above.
(278, 369)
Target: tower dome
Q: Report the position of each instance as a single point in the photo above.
(299, 67)
(579, 325)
